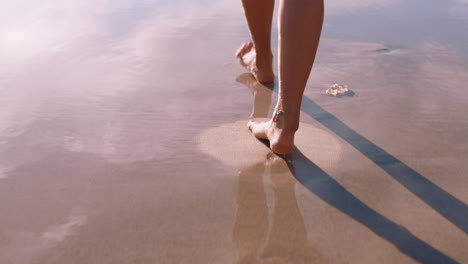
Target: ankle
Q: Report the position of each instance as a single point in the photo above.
(288, 121)
(264, 60)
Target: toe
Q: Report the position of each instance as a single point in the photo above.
(258, 129)
(244, 49)
(241, 51)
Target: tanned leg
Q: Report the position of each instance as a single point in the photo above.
(256, 55)
(300, 25)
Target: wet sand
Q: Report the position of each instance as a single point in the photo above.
(123, 137)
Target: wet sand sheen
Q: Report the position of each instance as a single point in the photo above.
(259, 236)
(123, 137)
(277, 239)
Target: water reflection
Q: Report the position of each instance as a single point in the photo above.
(260, 237)
(277, 238)
(261, 93)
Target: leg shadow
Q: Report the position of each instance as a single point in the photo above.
(443, 202)
(326, 188)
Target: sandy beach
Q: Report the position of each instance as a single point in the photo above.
(123, 137)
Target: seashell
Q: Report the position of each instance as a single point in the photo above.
(337, 89)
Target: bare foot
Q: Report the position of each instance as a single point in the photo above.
(279, 131)
(261, 68)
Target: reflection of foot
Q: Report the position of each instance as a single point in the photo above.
(248, 80)
(262, 94)
(278, 131)
(261, 68)
(281, 181)
(277, 166)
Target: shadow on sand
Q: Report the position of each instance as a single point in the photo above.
(329, 190)
(443, 202)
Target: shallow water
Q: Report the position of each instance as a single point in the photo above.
(102, 104)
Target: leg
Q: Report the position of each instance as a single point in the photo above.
(256, 56)
(300, 25)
